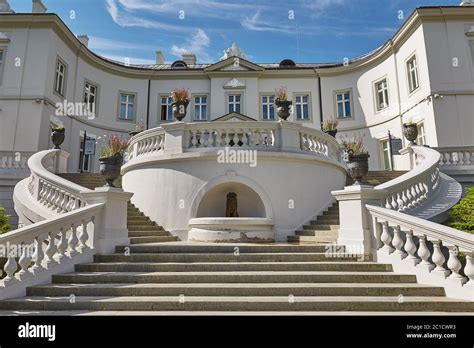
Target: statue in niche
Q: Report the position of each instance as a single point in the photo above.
(231, 205)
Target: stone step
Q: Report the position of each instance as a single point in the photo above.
(331, 220)
(147, 233)
(234, 277)
(144, 228)
(155, 239)
(234, 267)
(320, 226)
(313, 239)
(221, 248)
(240, 303)
(140, 222)
(241, 289)
(224, 257)
(314, 232)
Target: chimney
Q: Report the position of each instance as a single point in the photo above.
(5, 7)
(84, 39)
(160, 58)
(38, 7)
(189, 58)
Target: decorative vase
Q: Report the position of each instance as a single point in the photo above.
(283, 108)
(110, 168)
(57, 137)
(410, 131)
(331, 132)
(179, 109)
(358, 167)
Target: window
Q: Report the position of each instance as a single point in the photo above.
(127, 106)
(343, 104)
(302, 107)
(2, 53)
(420, 139)
(268, 107)
(60, 77)
(233, 102)
(386, 157)
(85, 161)
(412, 70)
(381, 91)
(166, 108)
(200, 108)
(90, 97)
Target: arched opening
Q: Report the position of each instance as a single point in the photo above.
(179, 64)
(287, 63)
(213, 204)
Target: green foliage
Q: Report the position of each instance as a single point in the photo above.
(4, 225)
(462, 214)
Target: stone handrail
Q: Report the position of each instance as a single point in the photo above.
(412, 189)
(281, 136)
(404, 240)
(55, 193)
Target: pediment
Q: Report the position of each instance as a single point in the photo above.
(234, 117)
(234, 64)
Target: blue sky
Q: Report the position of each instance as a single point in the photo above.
(328, 30)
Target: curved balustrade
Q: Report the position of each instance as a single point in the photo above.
(457, 160)
(55, 193)
(315, 141)
(409, 191)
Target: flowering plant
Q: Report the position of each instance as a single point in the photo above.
(139, 126)
(281, 94)
(354, 145)
(330, 125)
(180, 95)
(56, 128)
(114, 147)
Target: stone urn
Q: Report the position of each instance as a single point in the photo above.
(110, 168)
(331, 132)
(410, 131)
(358, 166)
(57, 137)
(179, 109)
(283, 108)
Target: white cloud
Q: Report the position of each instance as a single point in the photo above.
(197, 44)
(321, 5)
(100, 43)
(254, 23)
(129, 60)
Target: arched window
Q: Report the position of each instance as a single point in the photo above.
(179, 64)
(287, 63)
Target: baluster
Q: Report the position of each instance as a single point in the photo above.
(410, 248)
(60, 201)
(38, 256)
(72, 242)
(439, 259)
(245, 138)
(397, 242)
(51, 251)
(469, 270)
(399, 202)
(447, 161)
(24, 262)
(455, 265)
(404, 200)
(193, 139)
(409, 197)
(394, 203)
(386, 238)
(83, 237)
(227, 138)
(468, 158)
(377, 229)
(204, 138)
(62, 245)
(425, 254)
(10, 268)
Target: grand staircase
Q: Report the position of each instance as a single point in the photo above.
(140, 228)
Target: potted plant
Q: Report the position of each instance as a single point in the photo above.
(282, 103)
(111, 159)
(57, 136)
(330, 127)
(180, 102)
(357, 158)
(410, 131)
(139, 127)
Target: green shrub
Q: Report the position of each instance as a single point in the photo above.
(462, 214)
(4, 226)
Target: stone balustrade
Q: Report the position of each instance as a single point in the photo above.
(456, 156)
(430, 250)
(14, 160)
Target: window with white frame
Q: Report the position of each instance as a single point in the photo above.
(412, 70)
(234, 103)
(268, 107)
(60, 77)
(127, 106)
(302, 107)
(386, 156)
(343, 104)
(421, 139)
(381, 94)
(200, 108)
(166, 110)
(2, 54)
(90, 97)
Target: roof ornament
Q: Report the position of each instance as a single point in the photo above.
(233, 51)
(5, 7)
